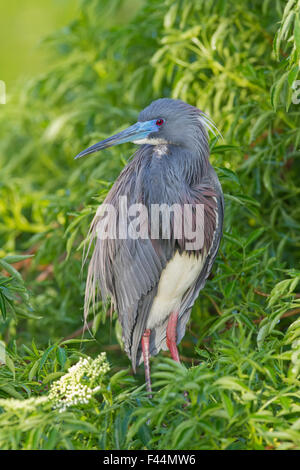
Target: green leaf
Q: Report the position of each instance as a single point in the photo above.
(10, 364)
(11, 259)
(61, 356)
(52, 376)
(253, 236)
(297, 32)
(260, 124)
(170, 16)
(10, 390)
(2, 306)
(45, 356)
(33, 370)
(276, 90)
(228, 174)
(11, 270)
(70, 242)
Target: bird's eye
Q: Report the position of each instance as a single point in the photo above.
(159, 122)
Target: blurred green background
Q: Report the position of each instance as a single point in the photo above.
(23, 25)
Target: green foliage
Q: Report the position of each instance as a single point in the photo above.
(287, 46)
(237, 62)
(12, 289)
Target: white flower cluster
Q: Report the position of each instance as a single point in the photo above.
(28, 405)
(81, 382)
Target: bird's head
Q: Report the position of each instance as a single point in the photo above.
(164, 121)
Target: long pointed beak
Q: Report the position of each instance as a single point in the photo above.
(138, 131)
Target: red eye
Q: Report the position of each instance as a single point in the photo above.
(159, 122)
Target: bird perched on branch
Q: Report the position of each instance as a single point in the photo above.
(151, 255)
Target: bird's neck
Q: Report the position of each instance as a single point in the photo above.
(181, 163)
(168, 171)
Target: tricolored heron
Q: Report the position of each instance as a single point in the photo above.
(154, 281)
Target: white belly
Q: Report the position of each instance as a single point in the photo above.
(180, 273)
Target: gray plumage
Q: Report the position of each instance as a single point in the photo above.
(171, 167)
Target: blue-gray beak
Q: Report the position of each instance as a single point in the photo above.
(138, 131)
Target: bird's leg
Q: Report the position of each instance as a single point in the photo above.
(145, 349)
(171, 343)
(172, 336)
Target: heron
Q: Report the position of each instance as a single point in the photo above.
(153, 282)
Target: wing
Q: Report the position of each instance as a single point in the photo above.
(193, 292)
(127, 270)
(158, 339)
